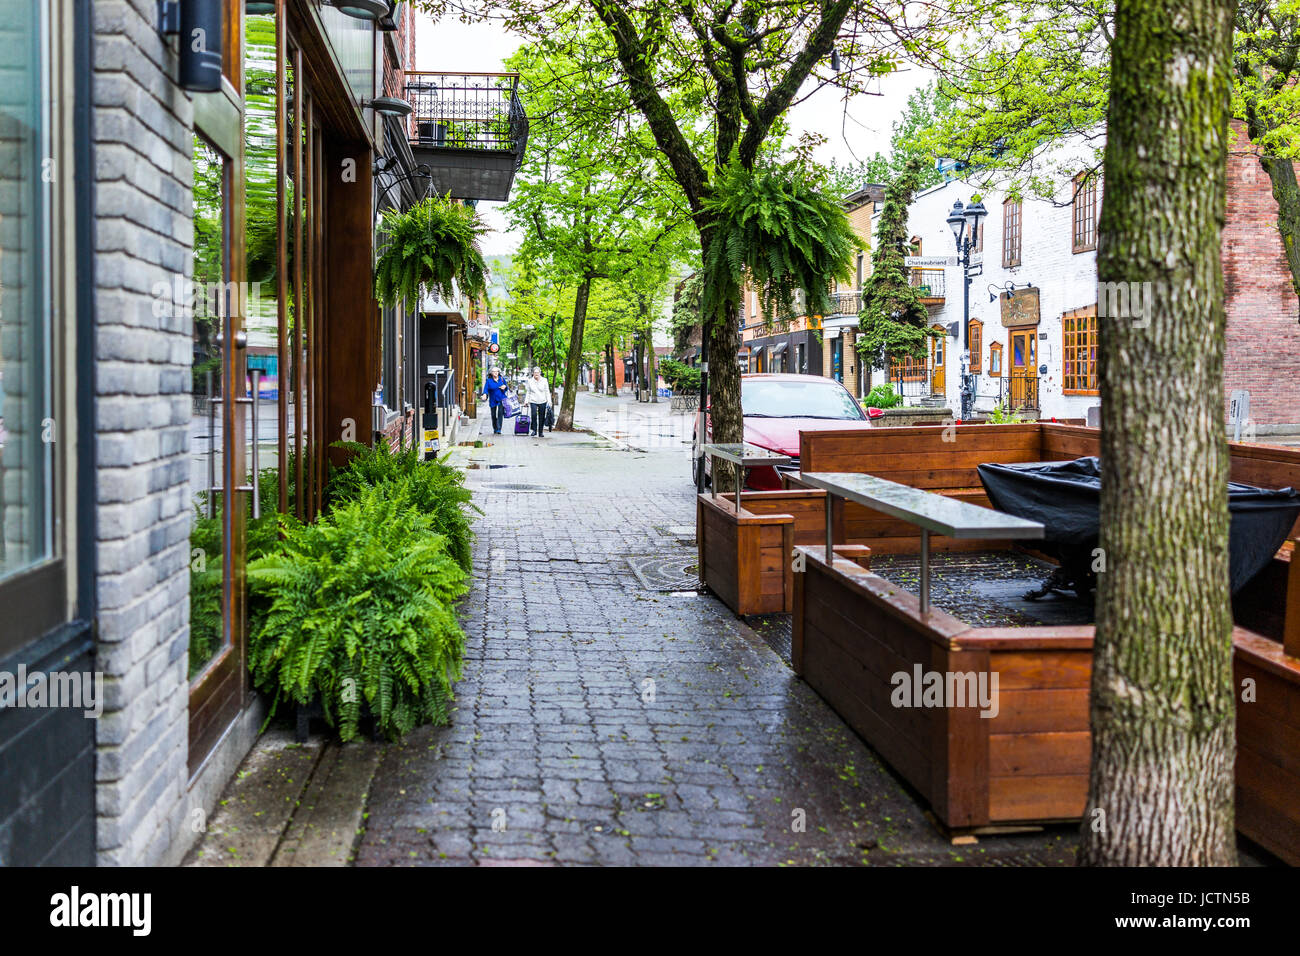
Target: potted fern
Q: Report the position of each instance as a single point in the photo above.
(431, 247)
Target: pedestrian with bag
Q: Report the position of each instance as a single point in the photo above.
(496, 390)
(538, 395)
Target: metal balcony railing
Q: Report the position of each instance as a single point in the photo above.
(929, 283)
(847, 303)
(471, 111)
(1019, 392)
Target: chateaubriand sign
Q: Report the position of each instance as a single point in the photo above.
(1019, 308)
(939, 262)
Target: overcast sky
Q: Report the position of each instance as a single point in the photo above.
(854, 133)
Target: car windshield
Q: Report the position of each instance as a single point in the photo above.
(777, 398)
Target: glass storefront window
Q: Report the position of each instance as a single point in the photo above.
(261, 235)
(208, 631)
(27, 425)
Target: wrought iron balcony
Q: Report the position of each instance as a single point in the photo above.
(471, 130)
(846, 303)
(929, 285)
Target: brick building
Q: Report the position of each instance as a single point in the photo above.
(839, 358)
(1263, 328)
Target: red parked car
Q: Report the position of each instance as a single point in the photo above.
(776, 409)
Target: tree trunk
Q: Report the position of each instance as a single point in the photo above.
(651, 372)
(564, 421)
(611, 382)
(724, 388)
(1162, 696)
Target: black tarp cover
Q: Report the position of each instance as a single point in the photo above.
(1065, 496)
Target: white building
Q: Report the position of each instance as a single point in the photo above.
(1033, 308)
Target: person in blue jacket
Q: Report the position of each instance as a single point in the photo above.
(495, 390)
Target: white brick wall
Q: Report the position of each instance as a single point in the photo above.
(1066, 280)
(143, 132)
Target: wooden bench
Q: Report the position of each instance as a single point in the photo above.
(746, 539)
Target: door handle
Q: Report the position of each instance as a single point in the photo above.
(256, 375)
(253, 486)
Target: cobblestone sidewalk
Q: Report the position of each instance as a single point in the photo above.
(599, 721)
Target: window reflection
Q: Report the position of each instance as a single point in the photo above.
(208, 633)
(26, 410)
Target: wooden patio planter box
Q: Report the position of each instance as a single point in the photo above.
(746, 559)
(1025, 763)
(1028, 764)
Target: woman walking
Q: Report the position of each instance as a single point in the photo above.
(495, 389)
(539, 396)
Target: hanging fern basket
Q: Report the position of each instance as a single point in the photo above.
(431, 247)
(775, 226)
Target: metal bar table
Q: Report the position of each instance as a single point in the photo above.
(932, 513)
(744, 456)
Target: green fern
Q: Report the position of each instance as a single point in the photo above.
(432, 487)
(360, 611)
(774, 225)
(433, 246)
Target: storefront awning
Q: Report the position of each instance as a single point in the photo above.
(779, 348)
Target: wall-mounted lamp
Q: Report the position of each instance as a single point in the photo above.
(361, 9)
(1005, 289)
(388, 22)
(198, 26)
(388, 106)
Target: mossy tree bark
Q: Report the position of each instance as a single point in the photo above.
(1162, 697)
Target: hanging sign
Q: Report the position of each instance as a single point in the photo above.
(1019, 308)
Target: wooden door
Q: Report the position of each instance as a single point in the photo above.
(938, 360)
(1024, 369)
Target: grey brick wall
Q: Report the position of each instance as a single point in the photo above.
(143, 140)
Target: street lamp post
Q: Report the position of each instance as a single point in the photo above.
(965, 225)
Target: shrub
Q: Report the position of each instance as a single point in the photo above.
(432, 487)
(679, 376)
(1001, 416)
(359, 609)
(882, 396)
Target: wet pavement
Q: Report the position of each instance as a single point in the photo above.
(605, 719)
